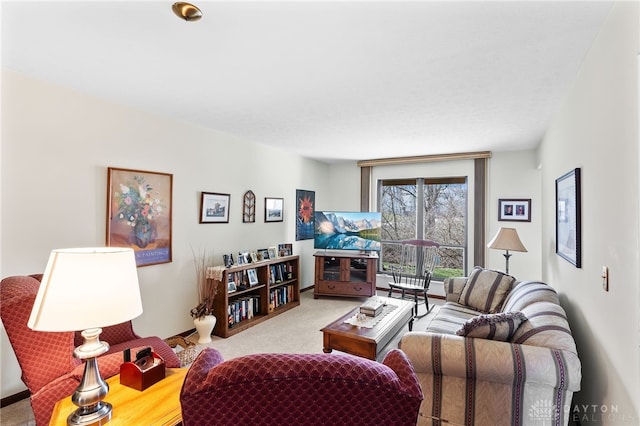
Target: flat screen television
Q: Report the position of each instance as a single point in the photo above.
(336, 230)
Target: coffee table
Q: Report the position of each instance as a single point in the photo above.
(363, 341)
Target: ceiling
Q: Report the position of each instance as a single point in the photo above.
(333, 81)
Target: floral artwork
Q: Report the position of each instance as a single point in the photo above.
(139, 214)
(304, 216)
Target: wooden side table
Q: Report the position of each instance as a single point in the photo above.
(157, 405)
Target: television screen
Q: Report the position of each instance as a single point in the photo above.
(336, 230)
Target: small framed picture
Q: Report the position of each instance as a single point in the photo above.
(242, 259)
(263, 254)
(514, 210)
(254, 257)
(273, 253)
(285, 249)
(214, 207)
(273, 209)
(231, 287)
(253, 276)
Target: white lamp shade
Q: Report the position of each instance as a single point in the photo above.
(86, 288)
(507, 239)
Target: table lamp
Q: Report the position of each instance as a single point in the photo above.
(507, 239)
(85, 289)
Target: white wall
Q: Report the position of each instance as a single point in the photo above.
(515, 174)
(56, 147)
(512, 174)
(597, 130)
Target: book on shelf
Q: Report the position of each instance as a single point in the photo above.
(281, 296)
(372, 308)
(243, 308)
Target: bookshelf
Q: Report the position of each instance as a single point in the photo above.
(274, 288)
(348, 274)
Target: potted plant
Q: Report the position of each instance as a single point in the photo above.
(203, 317)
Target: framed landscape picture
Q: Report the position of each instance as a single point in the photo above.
(568, 217)
(139, 207)
(273, 209)
(214, 207)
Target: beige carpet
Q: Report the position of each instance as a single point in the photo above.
(297, 330)
(294, 331)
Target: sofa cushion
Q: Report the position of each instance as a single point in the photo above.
(450, 317)
(485, 290)
(525, 293)
(546, 326)
(500, 326)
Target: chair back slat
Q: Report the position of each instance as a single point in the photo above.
(418, 259)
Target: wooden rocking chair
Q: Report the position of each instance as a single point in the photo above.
(412, 276)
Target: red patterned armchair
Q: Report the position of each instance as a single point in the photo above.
(49, 369)
(296, 389)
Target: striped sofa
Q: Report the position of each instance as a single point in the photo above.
(525, 376)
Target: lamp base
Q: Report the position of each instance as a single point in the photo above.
(89, 395)
(91, 416)
(507, 255)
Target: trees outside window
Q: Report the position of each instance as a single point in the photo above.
(425, 208)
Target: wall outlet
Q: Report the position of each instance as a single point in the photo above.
(605, 278)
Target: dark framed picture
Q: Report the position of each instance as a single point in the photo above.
(285, 249)
(305, 221)
(568, 217)
(273, 209)
(263, 254)
(228, 260)
(139, 213)
(214, 207)
(514, 209)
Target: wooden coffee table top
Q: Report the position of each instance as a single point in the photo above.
(366, 341)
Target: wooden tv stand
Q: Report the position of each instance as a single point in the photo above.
(350, 274)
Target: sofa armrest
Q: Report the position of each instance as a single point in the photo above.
(194, 382)
(453, 288)
(400, 364)
(492, 361)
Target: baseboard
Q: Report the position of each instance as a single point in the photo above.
(12, 399)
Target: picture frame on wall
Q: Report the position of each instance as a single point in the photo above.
(514, 209)
(305, 218)
(139, 210)
(214, 207)
(273, 209)
(568, 217)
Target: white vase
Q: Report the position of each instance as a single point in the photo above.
(204, 327)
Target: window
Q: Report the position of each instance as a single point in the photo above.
(425, 208)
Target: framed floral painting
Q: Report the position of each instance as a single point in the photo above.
(305, 204)
(139, 213)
